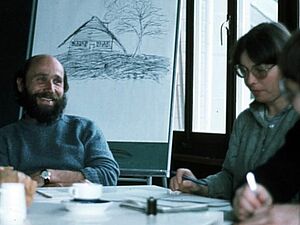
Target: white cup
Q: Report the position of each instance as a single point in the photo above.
(86, 191)
(12, 203)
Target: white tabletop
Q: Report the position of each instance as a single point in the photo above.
(53, 210)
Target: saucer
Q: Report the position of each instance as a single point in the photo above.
(88, 207)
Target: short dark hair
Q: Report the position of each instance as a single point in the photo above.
(263, 43)
(21, 73)
(289, 62)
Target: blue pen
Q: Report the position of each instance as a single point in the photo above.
(194, 180)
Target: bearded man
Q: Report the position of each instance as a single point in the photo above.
(51, 147)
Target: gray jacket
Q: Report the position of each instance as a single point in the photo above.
(253, 141)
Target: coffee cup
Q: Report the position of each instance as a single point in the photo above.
(86, 191)
(12, 203)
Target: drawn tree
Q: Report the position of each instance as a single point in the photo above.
(135, 16)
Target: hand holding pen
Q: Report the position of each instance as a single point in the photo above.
(250, 198)
(260, 192)
(184, 180)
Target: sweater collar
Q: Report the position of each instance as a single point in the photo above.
(26, 119)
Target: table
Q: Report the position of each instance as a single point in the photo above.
(46, 211)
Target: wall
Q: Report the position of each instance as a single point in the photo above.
(14, 30)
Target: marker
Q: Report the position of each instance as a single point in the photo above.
(194, 180)
(251, 181)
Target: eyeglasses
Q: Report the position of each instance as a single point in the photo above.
(259, 71)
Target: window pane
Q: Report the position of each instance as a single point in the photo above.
(179, 98)
(251, 13)
(210, 57)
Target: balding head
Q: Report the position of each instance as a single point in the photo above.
(32, 61)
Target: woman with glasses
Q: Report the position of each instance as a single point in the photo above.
(280, 176)
(259, 131)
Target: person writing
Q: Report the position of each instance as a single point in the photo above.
(279, 177)
(53, 148)
(259, 131)
(259, 208)
(8, 175)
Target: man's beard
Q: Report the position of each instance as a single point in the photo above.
(42, 113)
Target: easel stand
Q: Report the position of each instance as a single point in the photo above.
(144, 176)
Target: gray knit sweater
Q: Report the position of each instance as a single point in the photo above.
(70, 143)
(253, 141)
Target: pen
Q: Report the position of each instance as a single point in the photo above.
(43, 194)
(253, 187)
(194, 180)
(251, 181)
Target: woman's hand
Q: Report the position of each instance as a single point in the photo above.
(177, 183)
(275, 215)
(247, 202)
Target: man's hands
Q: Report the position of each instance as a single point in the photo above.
(178, 183)
(59, 178)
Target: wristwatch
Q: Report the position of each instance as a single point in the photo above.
(46, 175)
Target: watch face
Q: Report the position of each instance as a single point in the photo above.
(45, 174)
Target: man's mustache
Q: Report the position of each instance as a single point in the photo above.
(46, 95)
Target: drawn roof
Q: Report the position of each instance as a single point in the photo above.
(93, 24)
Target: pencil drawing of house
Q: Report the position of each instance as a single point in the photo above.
(92, 35)
(94, 51)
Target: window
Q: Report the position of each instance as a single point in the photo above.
(210, 57)
(179, 98)
(210, 60)
(208, 94)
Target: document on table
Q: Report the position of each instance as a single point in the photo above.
(134, 193)
(183, 197)
(135, 196)
(52, 194)
(123, 193)
(164, 206)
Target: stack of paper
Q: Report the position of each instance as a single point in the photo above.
(164, 206)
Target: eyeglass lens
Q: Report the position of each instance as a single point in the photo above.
(259, 71)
